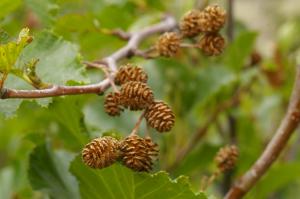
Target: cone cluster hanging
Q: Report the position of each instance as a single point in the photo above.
(207, 23)
(134, 152)
(135, 95)
(226, 158)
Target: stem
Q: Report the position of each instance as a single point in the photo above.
(138, 124)
(278, 142)
(186, 45)
(107, 73)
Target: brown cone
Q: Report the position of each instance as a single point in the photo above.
(138, 153)
(112, 104)
(212, 44)
(226, 158)
(130, 72)
(101, 152)
(160, 116)
(212, 18)
(189, 24)
(168, 44)
(136, 95)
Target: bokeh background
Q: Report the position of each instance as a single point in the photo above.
(261, 61)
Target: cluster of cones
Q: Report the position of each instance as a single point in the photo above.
(134, 95)
(207, 23)
(135, 152)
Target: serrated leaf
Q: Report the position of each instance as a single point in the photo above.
(239, 50)
(59, 63)
(59, 60)
(118, 181)
(48, 171)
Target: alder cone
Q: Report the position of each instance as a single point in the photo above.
(101, 152)
(168, 44)
(226, 158)
(112, 104)
(130, 72)
(139, 153)
(212, 18)
(212, 44)
(190, 24)
(136, 95)
(160, 116)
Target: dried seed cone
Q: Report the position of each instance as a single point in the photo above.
(212, 44)
(168, 44)
(101, 152)
(112, 104)
(226, 158)
(212, 18)
(139, 153)
(136, 95)
(160, 116)
(189, 24)
(130, 72)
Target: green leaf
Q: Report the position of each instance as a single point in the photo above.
(68, 113)
(7, 6)
(212, 79)
(118, 181)
(59, 60)
(237, 52)
(10, 52)
(48, 171)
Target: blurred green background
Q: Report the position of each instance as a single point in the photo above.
(193, 85)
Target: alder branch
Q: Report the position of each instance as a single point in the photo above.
(110, 61)
(278, 142)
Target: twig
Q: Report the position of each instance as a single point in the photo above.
(287, 126)
(138, 124)
(136, 38)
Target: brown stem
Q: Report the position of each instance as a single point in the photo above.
(287, 126)
(136, 38)
(137, 124)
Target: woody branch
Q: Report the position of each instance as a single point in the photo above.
(110, 61)
(278, 142)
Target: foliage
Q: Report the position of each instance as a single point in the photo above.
(40, 139)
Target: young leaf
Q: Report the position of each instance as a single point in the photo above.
(118, 181)
(10, 52)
